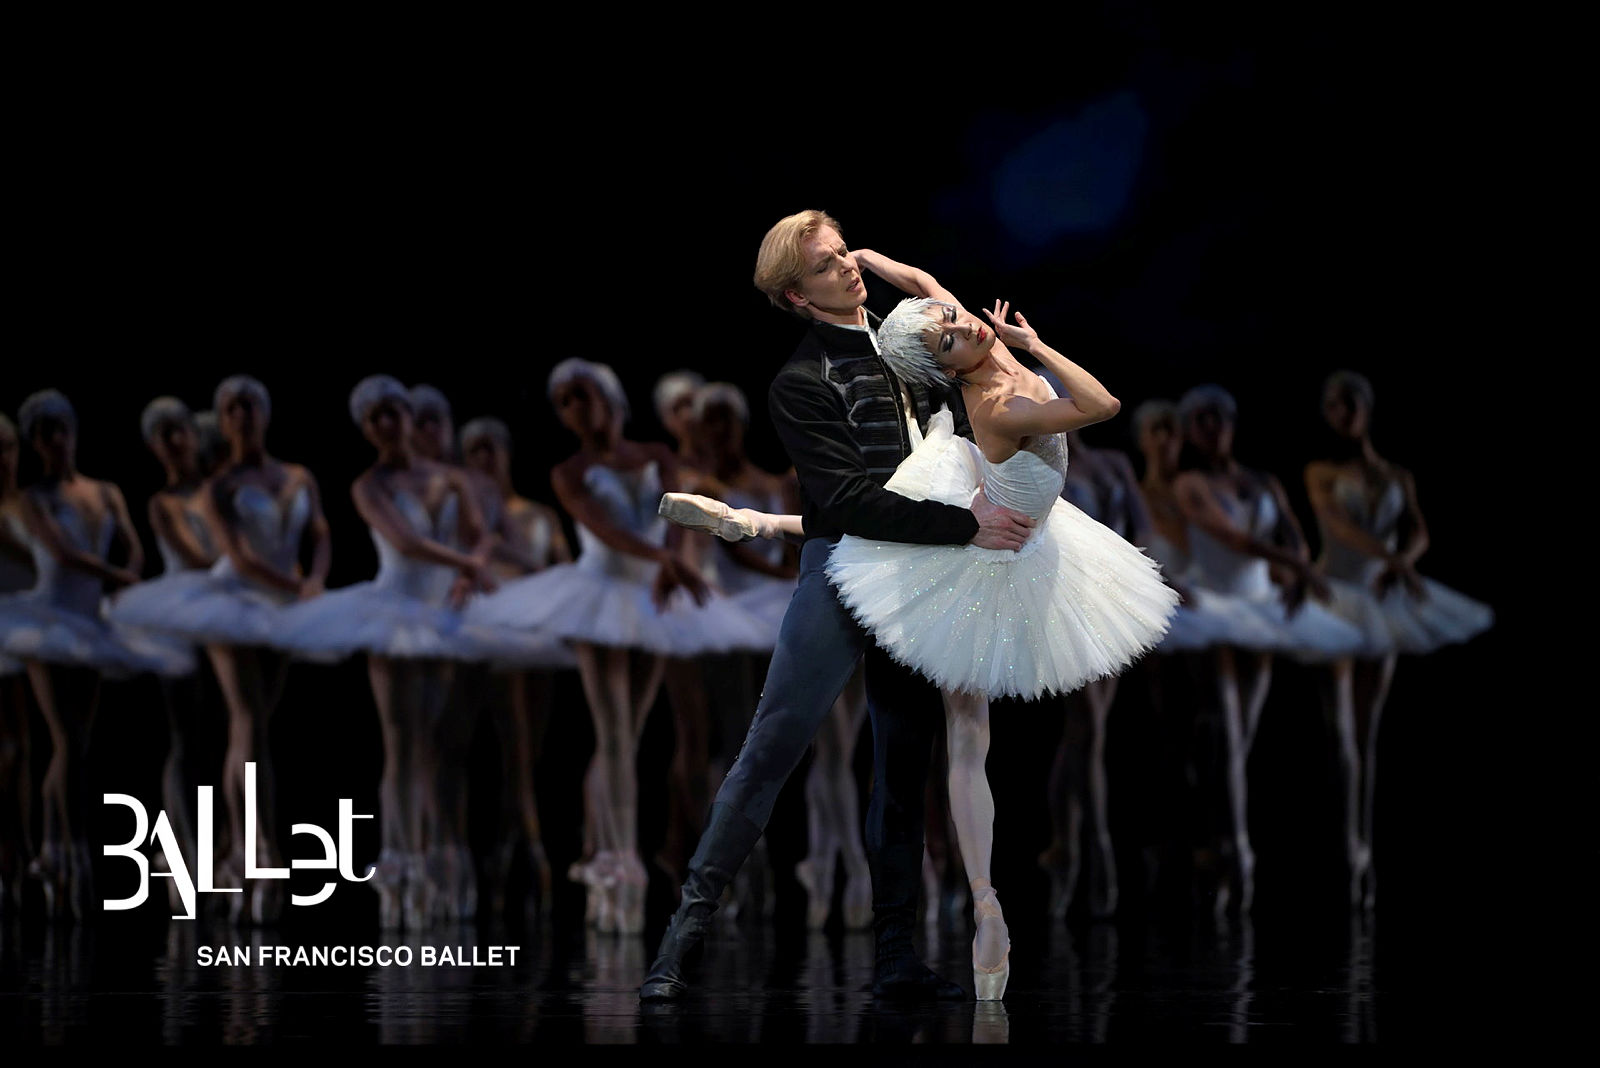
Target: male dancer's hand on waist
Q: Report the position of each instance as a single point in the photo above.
(998, 528)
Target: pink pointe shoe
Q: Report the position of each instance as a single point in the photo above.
(989, 983)
(712, 516)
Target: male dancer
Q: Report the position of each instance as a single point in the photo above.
(846, 423)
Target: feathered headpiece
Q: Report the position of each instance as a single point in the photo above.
(903, 341)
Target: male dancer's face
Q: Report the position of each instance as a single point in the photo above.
(830, 286)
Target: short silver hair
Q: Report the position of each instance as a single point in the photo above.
(605, 378)
(1207, 396)
(373, 390)
(486, 426)
(1151, 410)
(165, 409)
(427, 399)
(45, 404)
(714, 393)
(903, 340)
(672, 385)
(234, 385)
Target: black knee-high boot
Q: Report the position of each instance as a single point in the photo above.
(728, 839)
(896, 878)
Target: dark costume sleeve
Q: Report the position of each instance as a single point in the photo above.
(810, 422)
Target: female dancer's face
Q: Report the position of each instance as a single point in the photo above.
(485, 454)
(387, 425)
(242, 420)
(957, 339)
(430, 434)
(722, 431)
(679, 417)
(54, 441)
(1159, 441)
(174, 444)
(582, 408)
(9, 455)
(1211, 432)
(1346, 413)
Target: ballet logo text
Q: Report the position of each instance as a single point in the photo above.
(334, 857)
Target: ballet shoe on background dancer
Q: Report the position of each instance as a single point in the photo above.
(387, 879)
(991, 970)
(817, 881)
(1062, 867)
(712, 516)
(858, 899)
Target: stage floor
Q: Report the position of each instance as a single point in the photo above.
(1289, 982)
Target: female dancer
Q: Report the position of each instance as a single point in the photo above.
(56, 629)
(610, 487)
(1076, 603)
(1362, 503)
(1101, 483)
(16, 776)
(407, 623)
(183, 536)
(1240, 527)
(522, 712)
(259, 508)
(674, 396)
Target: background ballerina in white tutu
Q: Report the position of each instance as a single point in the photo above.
(1075, 603)
(16, 775)
(1373, 533)
(74, 525)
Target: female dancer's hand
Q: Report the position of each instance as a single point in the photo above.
(309, 588)
(1021, 335)
(1400, 573)
(674, 573)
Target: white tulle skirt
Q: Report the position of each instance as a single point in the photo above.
(1397, 622)
(369, 618)
(33, 629)
(588, 603)
(203, 607)
(1076, 603)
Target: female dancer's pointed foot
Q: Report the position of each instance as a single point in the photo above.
(1062, 868)
(858, 900)
(990, 969)
(712, 516)
(1362, 886)
(633, 883)
(50, 868)
(542, 877)
(388, 880)
(817, 882)
(1103, 894)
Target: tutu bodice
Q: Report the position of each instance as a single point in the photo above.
(1378, 514)
(63, 587)
(409, 576)
(271, 528)
(171, 559)
(1030, 480)
(630, 500)
(1216, 566)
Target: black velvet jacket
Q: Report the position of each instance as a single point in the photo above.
(837, 410)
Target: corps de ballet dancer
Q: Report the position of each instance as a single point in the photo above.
(521, 713)
(1240, 529)
(625, 580)
(406, 620)
(1074, 603)
(1372, 533)
(57, 630)
(16, 751)
(674, 400)
(260, 510)
(183, 538)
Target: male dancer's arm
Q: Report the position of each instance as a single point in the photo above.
(810, 424)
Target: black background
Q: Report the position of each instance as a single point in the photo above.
(1302, 197)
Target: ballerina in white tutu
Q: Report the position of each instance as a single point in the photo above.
(16, 776)
(1363, 503)
(522, 712)
(260, 510)
(620, 596)
(1243, 537)
(183, 538)
(1075, 603)
(56, 629)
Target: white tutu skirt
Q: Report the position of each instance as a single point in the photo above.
(33, 629)
(1210, 619)
(766, 600)
(368, 618)
(1399, 622)
(204, 607)
(590, 604)
(1076, 603)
